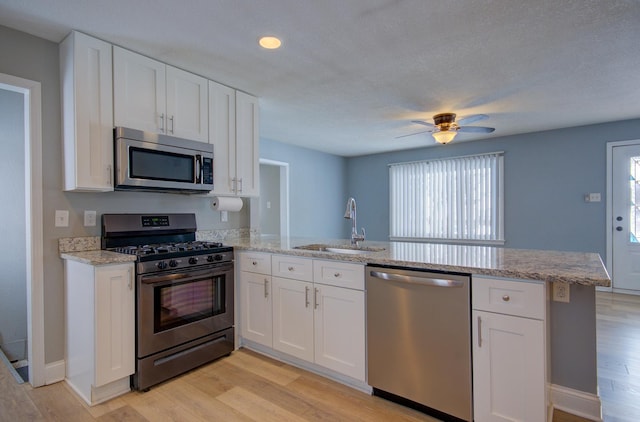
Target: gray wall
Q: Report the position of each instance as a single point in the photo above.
(546, 177)
(36, 59)
(13, 286)
(317, 194)
(269, 199)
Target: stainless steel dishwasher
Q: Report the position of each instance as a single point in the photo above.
(419, 339)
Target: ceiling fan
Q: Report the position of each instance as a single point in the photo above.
(444, 127)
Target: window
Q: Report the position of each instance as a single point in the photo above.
(456, 199)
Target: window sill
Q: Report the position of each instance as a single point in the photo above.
(448, 241)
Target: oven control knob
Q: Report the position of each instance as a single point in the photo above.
(161, 265)
(193, 260)
(218, 257)
(173, 263)
(210, 258)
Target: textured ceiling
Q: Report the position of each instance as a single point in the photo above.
(351, 75)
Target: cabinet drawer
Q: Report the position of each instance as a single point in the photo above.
(519, 298)
(255, 262)
(340, 274)
(294, 267)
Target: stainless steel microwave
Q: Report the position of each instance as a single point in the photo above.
(154, 162)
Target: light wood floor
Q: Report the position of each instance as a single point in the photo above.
(249, 387)
(618, 329)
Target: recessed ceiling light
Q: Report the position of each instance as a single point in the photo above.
(270, 43)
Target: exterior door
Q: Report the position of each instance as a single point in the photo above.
(626, 217)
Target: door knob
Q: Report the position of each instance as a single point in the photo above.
(619, 228)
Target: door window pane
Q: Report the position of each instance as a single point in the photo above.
(634, 200)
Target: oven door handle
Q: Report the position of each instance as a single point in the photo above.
(187, 276)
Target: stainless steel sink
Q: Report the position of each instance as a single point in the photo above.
(340, 249)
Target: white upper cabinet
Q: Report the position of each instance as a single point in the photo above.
(151, 96)
(87, 113)
(187, 108)
(222, 134)
(233, 126)
(247, 171)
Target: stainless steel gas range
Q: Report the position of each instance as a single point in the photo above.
(184, 293)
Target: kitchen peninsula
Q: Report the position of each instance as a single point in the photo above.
(526, 264)
(531, 354)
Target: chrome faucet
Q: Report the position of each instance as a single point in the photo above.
(350, 214)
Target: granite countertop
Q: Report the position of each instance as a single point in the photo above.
(98, 257)
(87, 250)
(528, 264)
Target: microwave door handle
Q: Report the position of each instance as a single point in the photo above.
(198, 169)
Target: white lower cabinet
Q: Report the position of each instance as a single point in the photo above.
(312, 321)
(509, 351)
(255, 294)
(100, 329)
(293, 317)
(339, 326)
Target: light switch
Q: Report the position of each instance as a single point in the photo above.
(62, 218)
(89, 218)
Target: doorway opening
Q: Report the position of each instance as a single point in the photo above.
(623, 216)
(33, 231)
(274, 198)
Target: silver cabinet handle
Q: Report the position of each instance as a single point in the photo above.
(479, 332)
(240, 183)
(427, 281)
(316, 292)
(290, 268)
(162, 122)
(109, 175)
(171, 120)
(254, 263)
(234, 185)
(266, 288)
(336, 275)
(506, 298)
(306, 296)
(130, 283)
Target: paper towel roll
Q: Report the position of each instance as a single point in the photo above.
(223, 203)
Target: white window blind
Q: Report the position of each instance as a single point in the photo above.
(458, 199)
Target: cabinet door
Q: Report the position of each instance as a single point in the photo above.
(187, 105)
(293, 317)
(115, 323)
(508, 368)
(87, 103)
(247, 145)
(139, 94)
(222, 134)
(339, 324)
(256, 320)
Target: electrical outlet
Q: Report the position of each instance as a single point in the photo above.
(592, 197)
(62, 218)
(224, 216)
(89, 218)
(561, 292)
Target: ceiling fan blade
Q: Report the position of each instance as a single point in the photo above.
(471, 119)
(411, 134)
(422, 122)
(476, 129)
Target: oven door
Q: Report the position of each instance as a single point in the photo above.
(175, 307)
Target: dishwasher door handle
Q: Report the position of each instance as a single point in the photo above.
(412, 279)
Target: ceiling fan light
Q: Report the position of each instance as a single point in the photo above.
(444, 136)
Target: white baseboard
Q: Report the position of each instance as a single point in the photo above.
(576, 402)
(54, 372)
